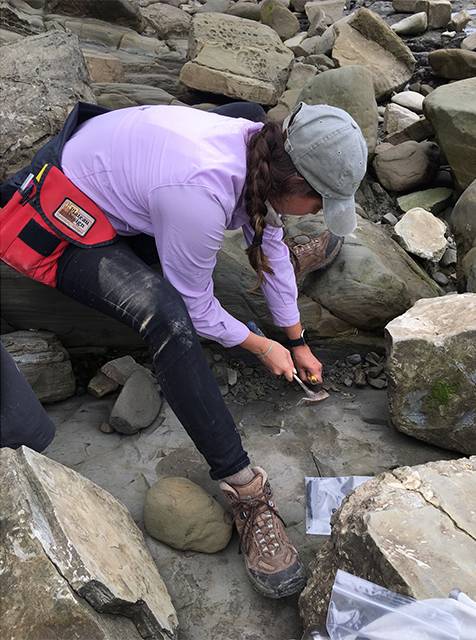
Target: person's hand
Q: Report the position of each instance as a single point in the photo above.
(308, 366)
(278, 360)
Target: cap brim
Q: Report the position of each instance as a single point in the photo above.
(339, 215)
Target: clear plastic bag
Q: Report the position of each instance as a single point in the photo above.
(361, 610)
(323, 497)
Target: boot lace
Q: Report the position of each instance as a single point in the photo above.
(252, 510)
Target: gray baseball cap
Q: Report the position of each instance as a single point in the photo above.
(328, 149)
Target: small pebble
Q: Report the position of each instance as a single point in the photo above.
(449, 257)
(348, 381)
(389, 218)
(359, 378)
(374, 372)
(217, 357)
(377, 383)
(440, 278)
(354, 358)
(105, 427)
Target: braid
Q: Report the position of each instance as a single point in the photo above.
(258, 189)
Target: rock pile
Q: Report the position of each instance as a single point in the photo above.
(139, 401)
(420, 128)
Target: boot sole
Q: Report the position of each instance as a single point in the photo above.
(294, 584)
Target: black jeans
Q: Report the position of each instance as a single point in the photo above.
(118, 281)
(23, 421)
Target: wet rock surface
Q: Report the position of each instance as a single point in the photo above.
(408, 530)
(432, 372)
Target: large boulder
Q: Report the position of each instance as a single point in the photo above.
(236, 57)
(279, 18)
(409, 530)
(463, 223)
(372, 281)
(349, 88)
(405, 166)
(451, 109)
(73, 552)
(431, 371)
(42, 78)
(44, 362)
(167, 21)
(453, 64)
(422, 234)
(365, 39)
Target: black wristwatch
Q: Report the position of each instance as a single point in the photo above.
(298, 342)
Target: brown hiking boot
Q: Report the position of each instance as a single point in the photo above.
(313, 253)
(271, 561)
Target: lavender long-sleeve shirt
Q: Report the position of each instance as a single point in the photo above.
(178, 174)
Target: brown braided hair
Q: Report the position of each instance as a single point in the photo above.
(270, 174)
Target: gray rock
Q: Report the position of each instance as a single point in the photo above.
(248, 10)
(44, 362)
(365, 39)
(408, 530)
(216, 6)
(372, 280)
(422, 234)
(397, 118)
(432, 354)
(449, 257)
(103, 67)
(389, 218)
(101, 385)
(453, 64)
(409, 6)
(349, 88)
(69, 546)
(317, 44)
(469, 42)
(20, 19)
(38, 97)
(181, 514)
(463, 221)
(469, 270)
(117, 95)
(333, 10)
(439, 13)
(414, 25)
(294, 42)
(138, 404)
(279, 18)
(451, 109)
(434, 200)
(410, 100)
(407, 165)
(300, 75)
(459, 21)
(167, 21)
(120, 369)
(440, 278)
(418, 130)
(236, 57)
(117, 11)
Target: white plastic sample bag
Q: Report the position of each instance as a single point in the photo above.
(323, 497)
(361, 610)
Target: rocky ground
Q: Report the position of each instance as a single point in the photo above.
(346, 434)
(406, 71)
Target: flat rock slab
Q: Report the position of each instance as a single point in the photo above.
(409, 530)
(236, 57)
(44, 362)
(365, 39)
(432, 372)
(94, 551)
(422, 233)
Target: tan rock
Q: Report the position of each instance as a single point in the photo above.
(181, 514)
(459, 21)
(365, 39)
(439, 13)
(407, 165)
(414, 25)
(469, 42)
(103, 67)
(410, 100)
(300, 75)
(279, 18)
(255, 67)
(100, 385)
(333, 9)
